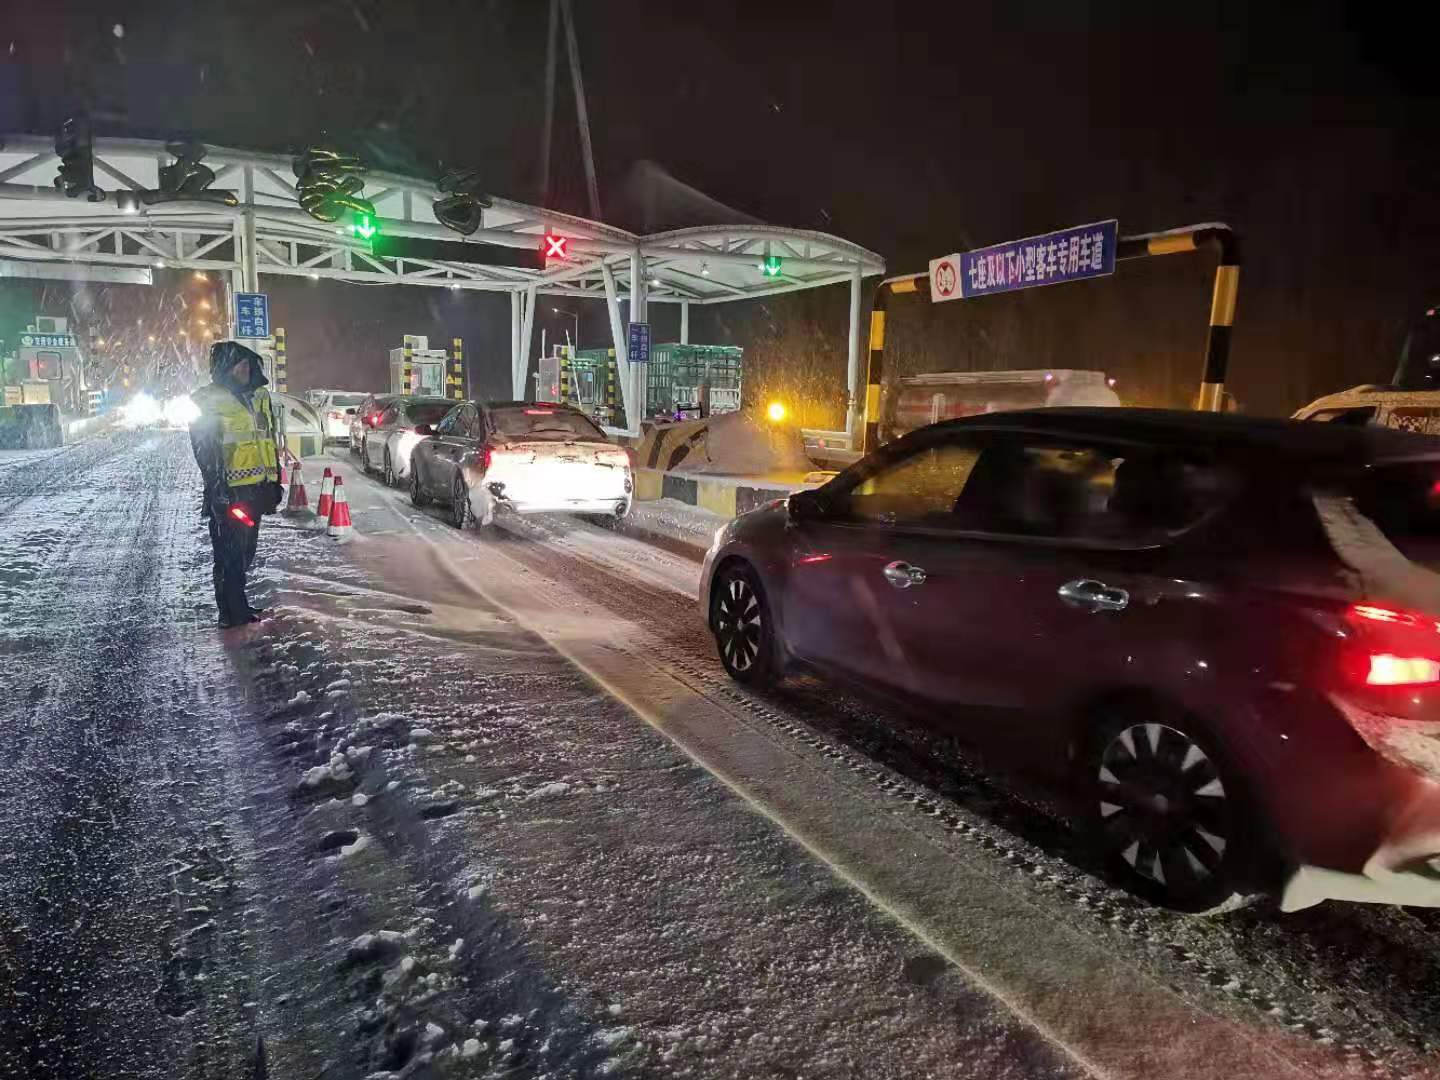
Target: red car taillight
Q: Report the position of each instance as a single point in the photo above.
(486, 456)
(1394, 647)
(373, 419)
(336, 415)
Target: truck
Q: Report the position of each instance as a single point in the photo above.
(917, 400)
(43, 385)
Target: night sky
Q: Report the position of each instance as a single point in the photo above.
(1309, 129)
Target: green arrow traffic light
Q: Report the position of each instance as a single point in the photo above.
(771, 266)
(363, 226)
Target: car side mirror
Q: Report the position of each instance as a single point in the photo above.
(349, 412)
(424, 429)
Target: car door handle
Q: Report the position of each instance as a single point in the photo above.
(1094, 595)
(902, 575)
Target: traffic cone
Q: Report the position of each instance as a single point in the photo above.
(340, 527)
(298, 502)
(327, 492)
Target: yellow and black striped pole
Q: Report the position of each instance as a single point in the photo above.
(408, 367)
(282, 373)
(457, 369)
(1222, 301)
(911, 283)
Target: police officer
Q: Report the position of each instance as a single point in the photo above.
(235, 446)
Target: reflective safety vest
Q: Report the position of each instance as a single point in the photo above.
(248, 434)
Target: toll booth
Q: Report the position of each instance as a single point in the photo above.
(415, 368)
(50, 366)
(682, 381)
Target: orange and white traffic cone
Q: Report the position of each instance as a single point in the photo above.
(298, 503)
(327, 492)
(340, 526)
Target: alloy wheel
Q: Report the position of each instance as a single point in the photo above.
(739, 623)
(1164, 809)
(460, 515)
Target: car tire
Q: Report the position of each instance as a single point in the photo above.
(354, 447)
(417, 492)
(365, 460)
(1168, 811)
(389, 473)
(744, 628)
(461, 516)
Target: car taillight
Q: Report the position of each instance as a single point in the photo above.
(1394, 647)
(373, 419)
(334, 415)
(1387, 670)
(486, 456)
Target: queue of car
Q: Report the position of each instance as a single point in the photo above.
(1214, 639)
(485, 458)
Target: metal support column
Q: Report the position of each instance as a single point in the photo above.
(685, 322)
(515, 326)
(852, 364)
(527, 335)
(639, 373)
(617, 339)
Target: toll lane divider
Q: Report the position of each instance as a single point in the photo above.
(727, 496)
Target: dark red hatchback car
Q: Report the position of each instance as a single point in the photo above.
(1217, 638)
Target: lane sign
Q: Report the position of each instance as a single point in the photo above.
(639, 350)
(252, 315)
(1084, 251)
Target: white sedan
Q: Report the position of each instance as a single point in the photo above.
(518, 457)
(395, 433)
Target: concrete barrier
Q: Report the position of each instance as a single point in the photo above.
(30, 427)
(727, 496)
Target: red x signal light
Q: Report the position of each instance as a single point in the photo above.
(557, 247)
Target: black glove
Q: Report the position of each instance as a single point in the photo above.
(268, 496)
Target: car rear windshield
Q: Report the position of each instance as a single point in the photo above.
(540, 422)
(346, 400)
(426, 412)
(1403, 501)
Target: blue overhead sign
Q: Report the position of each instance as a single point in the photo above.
(639, 350)
(252, 315)
(1085, 251)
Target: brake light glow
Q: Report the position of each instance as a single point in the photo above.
(1387, 670)
(486, 456)
(1384, 615)
(1395, 647)
(539, 412)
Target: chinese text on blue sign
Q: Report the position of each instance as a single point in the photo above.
(1067, 255)
(639, 343)
(252, 315)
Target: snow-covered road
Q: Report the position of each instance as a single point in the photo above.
(485, 805)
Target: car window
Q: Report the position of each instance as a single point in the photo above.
(540, 421)
(469, 424)
(919, 489)
(426, 412)
(1041, 489)
(1354, 417)
(1074, 492)
(346, 401)
(1403, 501)
(391, 414)
(449, 425)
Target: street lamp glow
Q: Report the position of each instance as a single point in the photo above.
(775, 411)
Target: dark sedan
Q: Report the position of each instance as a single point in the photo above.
(1215, 637)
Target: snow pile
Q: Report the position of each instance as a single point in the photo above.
(740, 443)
